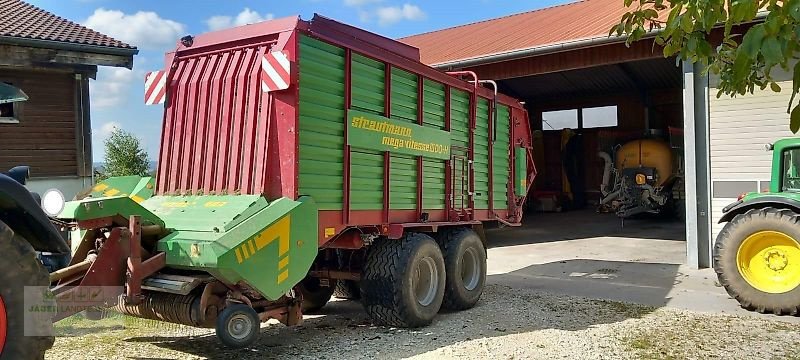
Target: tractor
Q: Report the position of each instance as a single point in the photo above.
(28, 238)
(757, 253)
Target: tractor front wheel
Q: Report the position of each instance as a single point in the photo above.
(20, 269)
(757, 260)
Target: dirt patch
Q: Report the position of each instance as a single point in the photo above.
(507, 324)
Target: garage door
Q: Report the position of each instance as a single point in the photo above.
(740, 128)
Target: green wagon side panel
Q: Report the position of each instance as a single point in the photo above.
(433, 107)
(459, 118)
(366, 180)
(404, 95)
(481, 164)
(368, 90)
(433, 184)
(403, 182)
(322, 117)
(433, 170)
(521, 173)
(366, 166)
(403, 168)
(501, 159)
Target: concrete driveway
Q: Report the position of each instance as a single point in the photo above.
(583, 253)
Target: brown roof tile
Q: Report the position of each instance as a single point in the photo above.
(19, 19)
(558, 24)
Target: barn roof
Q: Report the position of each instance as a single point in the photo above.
(563, 24)
(23, 23)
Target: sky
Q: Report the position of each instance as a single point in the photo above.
(154, 26)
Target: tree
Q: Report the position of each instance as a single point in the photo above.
(124, 155)
(743, 57)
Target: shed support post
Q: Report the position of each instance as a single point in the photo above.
(697, 165)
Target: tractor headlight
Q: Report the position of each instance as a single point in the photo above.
(53, 202)
(641, 179)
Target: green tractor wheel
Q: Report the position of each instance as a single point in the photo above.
(19, 269)
(757, 260)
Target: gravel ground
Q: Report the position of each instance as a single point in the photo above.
(507, 324)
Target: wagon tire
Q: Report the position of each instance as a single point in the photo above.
(403, 281)
(347, 289)
(19, 269)
(465, 266)
(315, 295)
(757, 260)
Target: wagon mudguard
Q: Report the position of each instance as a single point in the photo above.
(24, 215)
(740, 206)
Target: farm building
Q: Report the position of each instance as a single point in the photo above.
(51, 59)
(572, 75)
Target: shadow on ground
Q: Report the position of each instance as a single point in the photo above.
(567, 289)
(583, 224)
(513, 303)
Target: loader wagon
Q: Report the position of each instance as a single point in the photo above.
(301, 159)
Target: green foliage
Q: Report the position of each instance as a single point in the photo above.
(124, 155)
(742, 58)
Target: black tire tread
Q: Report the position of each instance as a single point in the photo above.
(20, 267)
(380, 296)
(221, 327)
(314, 299)
(750, 299)
(447, 244)
(347, 289)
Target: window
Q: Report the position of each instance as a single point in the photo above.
(10, 106)
(791, 170)
(592, 117)
(597, 117)
(561, 119)
(7, 110)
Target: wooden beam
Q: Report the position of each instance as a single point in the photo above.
(569, 60)
(20, 56)
(83, 125)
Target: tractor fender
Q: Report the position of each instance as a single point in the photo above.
(20, 211)
(741, 207)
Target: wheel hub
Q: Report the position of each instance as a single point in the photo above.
(470, 269)
(770, 261)
(3, 325)
(776, 260)
(239, 326)
(425, 281)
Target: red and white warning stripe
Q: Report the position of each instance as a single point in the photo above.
(275, 71)
(155, 87)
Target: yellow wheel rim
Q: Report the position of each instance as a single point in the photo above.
(770, 261)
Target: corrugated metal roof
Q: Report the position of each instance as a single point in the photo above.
(21, 20)
(630, 76)
(554, 25)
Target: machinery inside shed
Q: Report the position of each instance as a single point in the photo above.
(608, 146)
